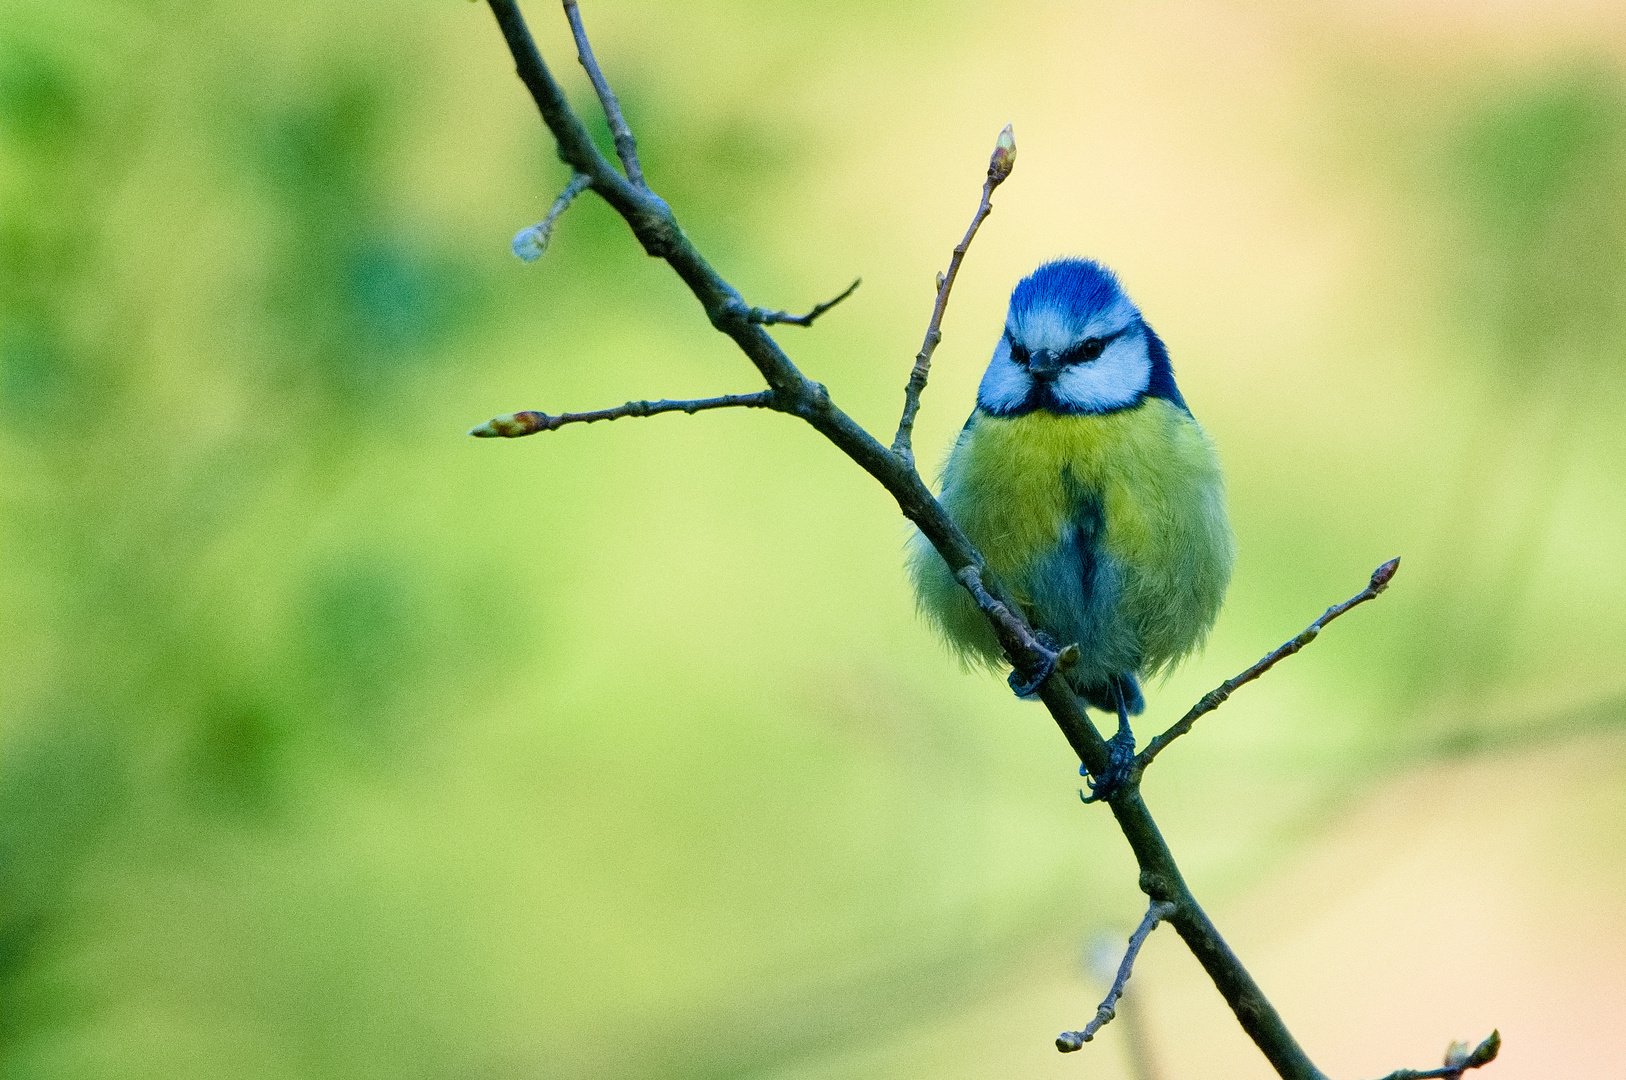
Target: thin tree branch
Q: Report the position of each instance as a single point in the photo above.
(1068, 1041)
(530, 243)
(656, 229)
(1458, 1060)
(764, 317)
(515, 425)
(1217, 696)
(626, 147)
(999, 167)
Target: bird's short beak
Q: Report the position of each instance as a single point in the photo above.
(1042, 365)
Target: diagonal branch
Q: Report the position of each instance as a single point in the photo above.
(1217, 696)
(515, 425)
(999, 167)
(656, 229)
(764, 317)
(626, 147)
(1068, 1041)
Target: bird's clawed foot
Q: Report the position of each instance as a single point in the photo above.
(1120, 756)
(1120, 763)
(1026, 683)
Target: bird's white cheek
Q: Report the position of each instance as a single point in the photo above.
(1005, 385)
(1117, 379)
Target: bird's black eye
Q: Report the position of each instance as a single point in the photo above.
(1019, 353)
(1091, 348)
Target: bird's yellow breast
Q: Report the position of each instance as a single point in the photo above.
(1015, 484)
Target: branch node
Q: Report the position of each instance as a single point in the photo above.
(764, 317)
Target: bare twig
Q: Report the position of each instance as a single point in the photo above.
(1217, 696)
(530, 243)
(999, 167)
(764, 317)
(1068, 1041)
(626, 147)
(517, 424)
(1458, 1060)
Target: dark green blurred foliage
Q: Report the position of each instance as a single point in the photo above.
(44, 118)
(1539, 178)
(1536, 178)
(362, 649)
(358, 297)
(119, 517)
(61, 783)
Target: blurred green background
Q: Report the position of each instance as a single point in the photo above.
(337, 744)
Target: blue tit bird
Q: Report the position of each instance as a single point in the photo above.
(1093, 495)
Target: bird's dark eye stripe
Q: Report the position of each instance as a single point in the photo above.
(1090, 348)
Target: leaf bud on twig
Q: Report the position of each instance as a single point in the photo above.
(1004, 159)
(511, 426)
(1485, 1052)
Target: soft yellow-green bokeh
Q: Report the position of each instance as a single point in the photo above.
(339, 744)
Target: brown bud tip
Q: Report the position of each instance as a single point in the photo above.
(511, 426)
(1068, 1041)
(1384, 574)
(1004, 159)
(1456, 1056)
(1486, 1052)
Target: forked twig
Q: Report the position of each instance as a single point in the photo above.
(1026, 647)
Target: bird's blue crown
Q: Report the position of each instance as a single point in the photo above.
(1078, 287)
(1075, 343)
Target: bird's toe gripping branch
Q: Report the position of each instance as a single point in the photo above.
(1026, 683)
(1119, 770)
(1031, 669)
(1027, 675)
(1121, 756)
